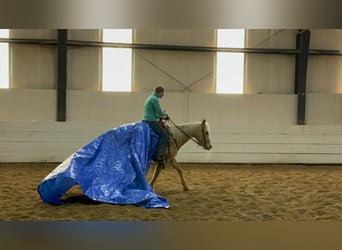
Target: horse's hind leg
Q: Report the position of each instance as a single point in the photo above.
(179, 170)
(155, 175)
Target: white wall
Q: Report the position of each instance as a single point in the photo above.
(180, 71)
(28, 105)
(324, 72)
(54, 142)
(35, 66)
(270, 73)
(244, 128)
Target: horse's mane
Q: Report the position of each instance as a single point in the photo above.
(186, 124)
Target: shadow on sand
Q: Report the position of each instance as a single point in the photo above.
(83, 199)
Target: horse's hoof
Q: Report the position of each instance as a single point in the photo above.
(186, 189)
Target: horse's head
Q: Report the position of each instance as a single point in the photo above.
(203, 135)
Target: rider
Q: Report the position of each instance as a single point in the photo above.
(152, 113)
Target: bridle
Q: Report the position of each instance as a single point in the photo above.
(190, 137)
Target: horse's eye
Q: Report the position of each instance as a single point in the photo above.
(206, 132)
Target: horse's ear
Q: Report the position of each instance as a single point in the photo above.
(203, 121)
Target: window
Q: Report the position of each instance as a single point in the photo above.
(230, 65)
(117, 62)
(4, 60)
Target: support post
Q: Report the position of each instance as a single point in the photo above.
(302, 44)
(61, 75)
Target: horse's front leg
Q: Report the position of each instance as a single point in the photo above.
(155, 174)
(179, 170)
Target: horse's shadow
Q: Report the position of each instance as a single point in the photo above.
(83, 199)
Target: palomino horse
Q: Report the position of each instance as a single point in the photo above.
(179, 135)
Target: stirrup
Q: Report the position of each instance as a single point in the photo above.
(157, 159)
(161, 164)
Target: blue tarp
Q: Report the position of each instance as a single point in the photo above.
(112, 168)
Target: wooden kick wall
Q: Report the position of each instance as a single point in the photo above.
(244, 128)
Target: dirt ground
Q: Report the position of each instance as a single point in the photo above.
(219, 192)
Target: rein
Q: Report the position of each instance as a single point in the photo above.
(189, 137)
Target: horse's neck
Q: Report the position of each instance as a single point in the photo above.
(183, 137)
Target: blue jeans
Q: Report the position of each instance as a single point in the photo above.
(154, 125)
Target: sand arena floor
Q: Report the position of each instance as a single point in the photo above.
(219, 192)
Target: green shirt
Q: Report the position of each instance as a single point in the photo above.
(152, 109)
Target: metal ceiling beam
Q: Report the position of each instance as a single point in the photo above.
(61, 75)
(302, 44)
(77, 43)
